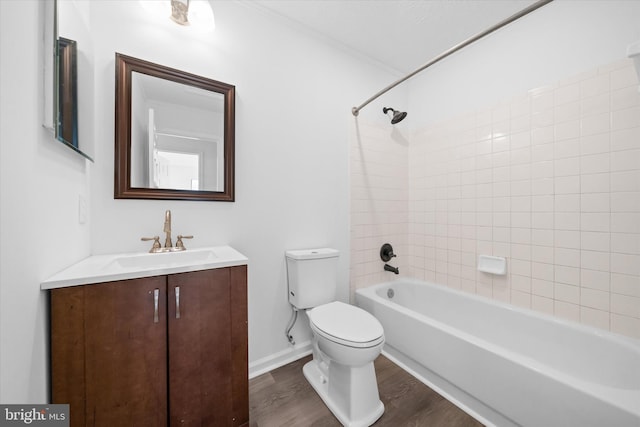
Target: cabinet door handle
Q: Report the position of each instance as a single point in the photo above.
(156, 296)
(177, 302)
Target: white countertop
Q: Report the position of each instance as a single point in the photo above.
(112, 267)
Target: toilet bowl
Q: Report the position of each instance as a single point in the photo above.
(346, 341)
(346, 333)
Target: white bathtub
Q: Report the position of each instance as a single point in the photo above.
(504, 365)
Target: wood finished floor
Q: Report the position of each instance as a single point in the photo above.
(283, 397)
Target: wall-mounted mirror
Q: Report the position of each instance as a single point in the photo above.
(175, 134)
(67, 123)
(68, 79)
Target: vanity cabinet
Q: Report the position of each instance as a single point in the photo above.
(155, 351)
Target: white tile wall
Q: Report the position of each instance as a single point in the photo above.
(379, 202)
(553, 179)
(549, 179)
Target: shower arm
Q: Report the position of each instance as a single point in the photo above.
(518, 15)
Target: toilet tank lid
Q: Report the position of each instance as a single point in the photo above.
(312, 253)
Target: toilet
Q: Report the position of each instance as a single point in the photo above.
(346, 339)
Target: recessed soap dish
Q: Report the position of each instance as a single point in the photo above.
(492, 265)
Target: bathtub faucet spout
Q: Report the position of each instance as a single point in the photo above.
(387, 267)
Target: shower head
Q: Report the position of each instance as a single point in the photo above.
(397, 115)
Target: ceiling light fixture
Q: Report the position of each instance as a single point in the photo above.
(180, 11)
(196, 14)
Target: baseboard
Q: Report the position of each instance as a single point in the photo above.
(269, 363)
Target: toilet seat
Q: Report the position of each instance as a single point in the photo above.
(346, 324)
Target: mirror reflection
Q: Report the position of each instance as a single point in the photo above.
(174, 134)
(72, 113)
(67, 123)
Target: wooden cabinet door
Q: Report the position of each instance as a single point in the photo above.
(109, 352)
(157, 351)
(200, 356)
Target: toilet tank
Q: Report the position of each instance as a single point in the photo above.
(312, 276)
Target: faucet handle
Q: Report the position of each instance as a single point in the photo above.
(156, 242)
(179, 243)
(386, 252)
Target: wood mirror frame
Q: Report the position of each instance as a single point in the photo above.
(125, 67)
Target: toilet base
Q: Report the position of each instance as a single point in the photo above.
(354, 401)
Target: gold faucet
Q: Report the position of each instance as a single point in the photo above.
(168, 244)
(167, 229)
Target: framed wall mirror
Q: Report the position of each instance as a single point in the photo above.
(175, 134)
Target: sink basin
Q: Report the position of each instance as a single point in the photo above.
(165, 259)
(123, 266)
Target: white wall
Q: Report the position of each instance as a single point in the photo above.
(294, 97)
(40, 184)
(560, 39)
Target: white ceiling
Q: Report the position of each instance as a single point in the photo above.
(400, 34)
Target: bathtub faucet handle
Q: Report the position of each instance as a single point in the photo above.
(386, 252)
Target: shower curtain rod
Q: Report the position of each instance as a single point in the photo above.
(523, 12)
